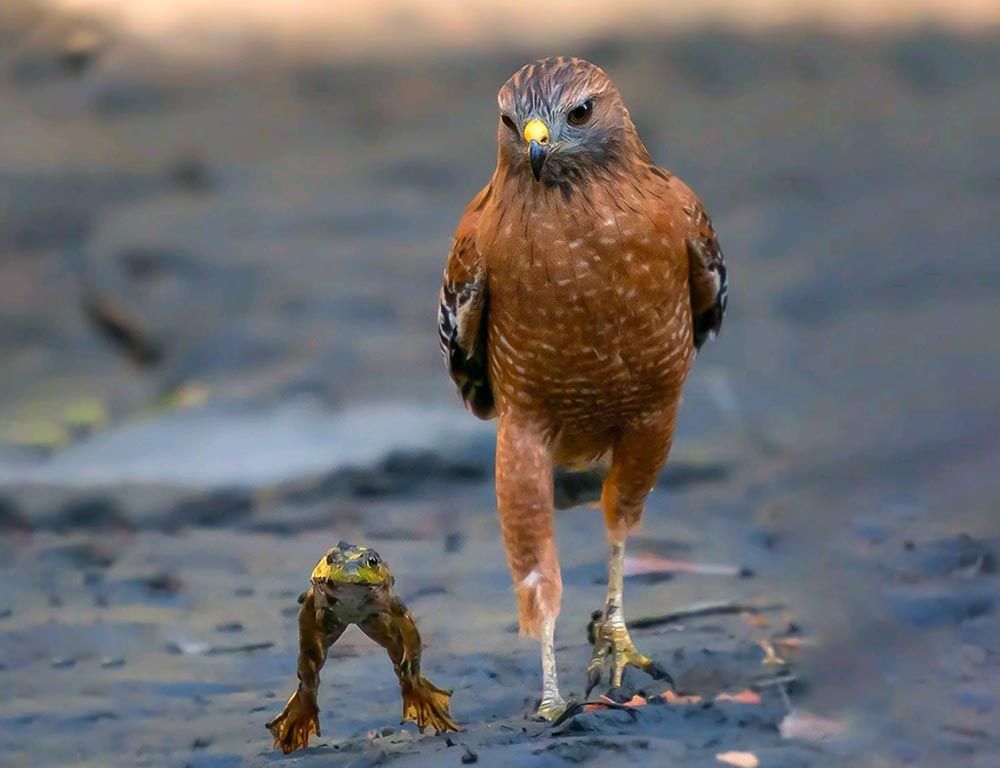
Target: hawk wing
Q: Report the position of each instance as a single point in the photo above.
(707, 273)
(463, 312)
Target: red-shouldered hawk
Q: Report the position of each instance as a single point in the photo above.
(581, 283)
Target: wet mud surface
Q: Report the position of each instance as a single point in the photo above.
(279, 227)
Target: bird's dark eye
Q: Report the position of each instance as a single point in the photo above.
(372, 561)
(581, 114)
(509, 123)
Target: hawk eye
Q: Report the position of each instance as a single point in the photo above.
(581, 114)
(372, 561)
(509, 123)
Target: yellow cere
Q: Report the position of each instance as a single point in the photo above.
(536, 130)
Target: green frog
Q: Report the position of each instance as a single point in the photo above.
(353, 585)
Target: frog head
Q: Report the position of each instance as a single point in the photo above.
(348, 564)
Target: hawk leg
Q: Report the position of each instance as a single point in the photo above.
(636, 462)
(552, 704)
(610, 636)
(524, 499)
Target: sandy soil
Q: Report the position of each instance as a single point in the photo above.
(279, 228)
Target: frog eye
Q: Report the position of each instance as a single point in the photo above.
(372, 560)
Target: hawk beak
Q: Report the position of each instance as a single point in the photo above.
(536, 133)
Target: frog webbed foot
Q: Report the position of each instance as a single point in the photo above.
(426, 705)
(298, 720)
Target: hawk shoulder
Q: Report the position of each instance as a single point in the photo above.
(706, 267)
(462, 315)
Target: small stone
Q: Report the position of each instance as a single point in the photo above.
(388, 730)
(187, 647)
(91, 513)
(191, 173)
(81, 48)
(93, 579)
(11, 518)
(164, 583)
(469, 757)
(109, 662)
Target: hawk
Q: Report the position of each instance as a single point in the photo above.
(581, 283)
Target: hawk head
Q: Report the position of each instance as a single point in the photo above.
(562, 119)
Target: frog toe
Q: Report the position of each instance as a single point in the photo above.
(292, 728)
(427, 705)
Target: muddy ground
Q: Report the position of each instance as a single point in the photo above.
(278, 228)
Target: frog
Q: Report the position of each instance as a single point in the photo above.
(354, 585)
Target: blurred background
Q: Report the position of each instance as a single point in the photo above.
(222, 230)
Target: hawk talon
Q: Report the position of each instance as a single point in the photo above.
(657, 672)
(592, 625)
(593, 675)
(551, 708)
(613, 643)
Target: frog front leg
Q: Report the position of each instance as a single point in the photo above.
(318, 630)
(423, 702)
